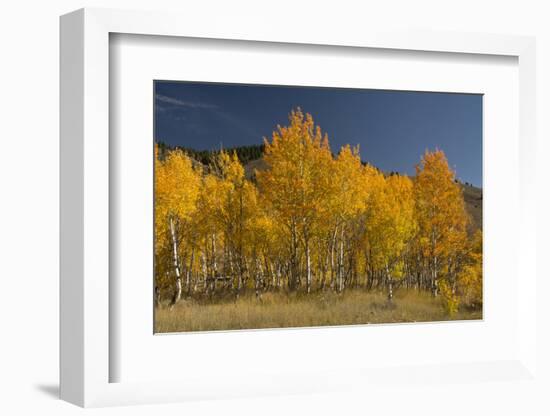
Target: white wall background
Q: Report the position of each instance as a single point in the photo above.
(29, 206)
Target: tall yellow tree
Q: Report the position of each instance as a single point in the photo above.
(346, 197)
(390, 225)
(177, 185)
(208, 226)
(294, 184)
(237, 209)
(440, 213)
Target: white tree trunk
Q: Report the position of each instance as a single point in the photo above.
(341, 263)
(189, 271)
(434, 277)
(308, 268)
(177, 294)
(390, 284)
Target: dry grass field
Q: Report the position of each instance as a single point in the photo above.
(280, 310)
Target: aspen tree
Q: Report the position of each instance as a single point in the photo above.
(177, 186)
(294, 186)
(440, 213)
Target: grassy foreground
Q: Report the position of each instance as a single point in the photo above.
(280, 310)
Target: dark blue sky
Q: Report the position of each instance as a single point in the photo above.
(393, 128)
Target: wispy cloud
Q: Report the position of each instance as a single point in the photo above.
(181, 103)
(179, 110)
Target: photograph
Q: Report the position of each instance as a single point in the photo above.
(279, 206)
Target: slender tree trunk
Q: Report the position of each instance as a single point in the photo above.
(434, 277)
(368, 271)
(322, 267)
(258, 272)
(434, 265)
(178, 288)
(308, 267)
(189, 271)
(341, 263)
(293, 277)
(331, 283)
(214, 268)
(333, 277)
(204, 267)
(390, 283)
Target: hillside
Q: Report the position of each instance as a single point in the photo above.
(473, 197)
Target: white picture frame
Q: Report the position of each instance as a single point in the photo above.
(85, 354)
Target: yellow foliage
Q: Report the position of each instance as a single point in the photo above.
(390, 220)
(312, 217)
(450, 300)
(440, 209)
(298, 174)
(470, 280)
(177, 186)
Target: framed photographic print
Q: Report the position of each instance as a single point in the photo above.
(253, 215)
